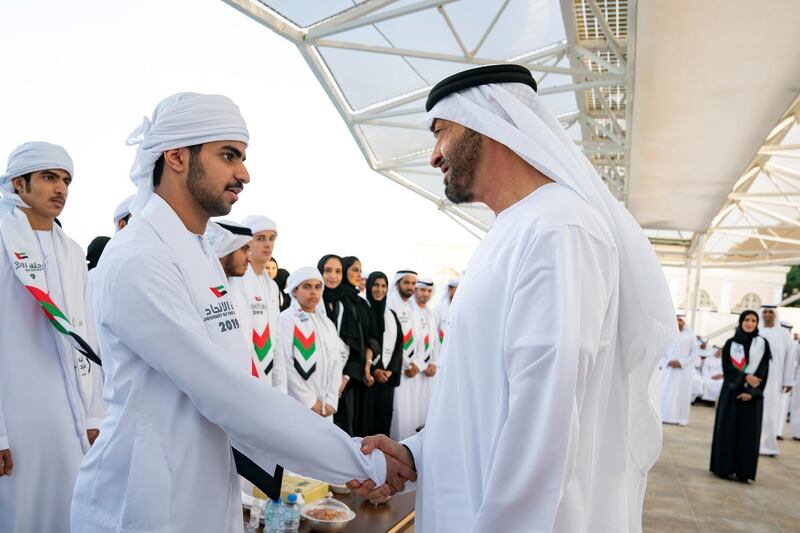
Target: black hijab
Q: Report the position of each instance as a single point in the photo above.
(281, 278)
(350, 290)
(741, 336)
(95, 250)
(332, 296)
(379, 308)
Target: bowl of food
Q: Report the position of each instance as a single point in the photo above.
(327, 514)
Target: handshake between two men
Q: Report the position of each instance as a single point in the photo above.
(400, 469)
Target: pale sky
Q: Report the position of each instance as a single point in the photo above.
(83, 73)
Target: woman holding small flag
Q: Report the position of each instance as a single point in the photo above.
(737, 428)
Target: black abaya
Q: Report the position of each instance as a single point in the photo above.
(381, 395)
(737, 427)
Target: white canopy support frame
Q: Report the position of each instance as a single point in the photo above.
(759, 221)
(672, 161)
(377, 72)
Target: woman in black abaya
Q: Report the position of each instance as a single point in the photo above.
(388, 361)
(737, 427)
(352, 324)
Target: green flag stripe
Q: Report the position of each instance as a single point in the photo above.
(305, 353)
(262, 352)
(54, 311)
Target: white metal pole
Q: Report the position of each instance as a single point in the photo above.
(688, 286)
(699, 274)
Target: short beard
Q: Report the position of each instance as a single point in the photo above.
(197, 183)
(405, 294)
(463, 164)
(229, 266)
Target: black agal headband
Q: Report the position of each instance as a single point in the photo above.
(506, 73)
(236, 230)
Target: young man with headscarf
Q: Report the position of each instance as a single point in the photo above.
(179, 397)
(443, 307)
(387, 364)
(677, 376)
(231, 244)
(781, 378)
(427, 345)
(263, 299)
(122, 213)
(314, 352)
(405, 414)
(543, 419)
(50, 389)
(737, 426)
(713, 375)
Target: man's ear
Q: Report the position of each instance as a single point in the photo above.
(177, 159)
(19, 184)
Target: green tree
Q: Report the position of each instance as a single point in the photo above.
(792, 284)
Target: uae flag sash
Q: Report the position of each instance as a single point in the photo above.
(262, 343)
(408, 343)
(427, 344)
(738, 357)
(28, 265)
(304, 344)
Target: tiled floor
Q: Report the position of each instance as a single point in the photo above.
(682, 495)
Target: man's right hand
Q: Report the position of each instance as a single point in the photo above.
(6, 463)
(412, 370)
(753, 381)
(317, 408)
(674, 364)
(400, 468)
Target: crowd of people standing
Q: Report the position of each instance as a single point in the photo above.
(752, 380)
(364, 351)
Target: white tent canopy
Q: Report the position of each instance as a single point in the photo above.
(671, 101)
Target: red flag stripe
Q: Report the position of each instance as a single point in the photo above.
(305, 341)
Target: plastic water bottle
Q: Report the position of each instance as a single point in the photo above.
(272, 516)
(291, 514)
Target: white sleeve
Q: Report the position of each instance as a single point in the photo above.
(788, 362)
(547, 350)
(169, 336)
(337, 362)
(437, 346)
(88, 306)
(97, 410)
(688, 359)
(4, 444)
